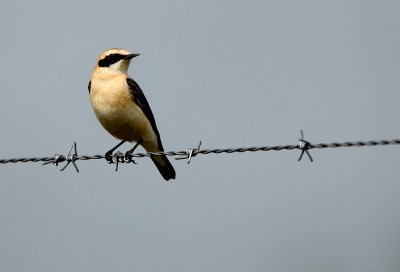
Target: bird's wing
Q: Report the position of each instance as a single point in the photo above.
(90, 84)
(141, 101)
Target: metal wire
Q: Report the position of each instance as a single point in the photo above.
(356, 144)
(119, 157)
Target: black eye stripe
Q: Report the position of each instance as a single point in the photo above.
(110, 59)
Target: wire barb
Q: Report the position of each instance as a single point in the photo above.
(55, 160)
(71, 158)
(190, 152)
(304, 146)
(119, 157)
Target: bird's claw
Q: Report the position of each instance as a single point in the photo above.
(109, 157)
(128, 156)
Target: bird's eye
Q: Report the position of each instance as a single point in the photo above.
(110, 59)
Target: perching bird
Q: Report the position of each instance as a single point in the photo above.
(122, 108)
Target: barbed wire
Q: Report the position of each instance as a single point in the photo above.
(188, 154)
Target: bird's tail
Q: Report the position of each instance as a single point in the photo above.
(164, 166)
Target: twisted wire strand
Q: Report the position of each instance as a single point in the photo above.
(34, 159)
(356, 144)
(60, 158)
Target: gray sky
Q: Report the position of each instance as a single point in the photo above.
(228, 73)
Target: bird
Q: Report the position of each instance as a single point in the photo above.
(122, 108)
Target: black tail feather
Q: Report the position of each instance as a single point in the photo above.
(164, 166)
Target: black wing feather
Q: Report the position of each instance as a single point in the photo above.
(141, 101)
(89, 85)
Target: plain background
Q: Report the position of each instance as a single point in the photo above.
(229, 73)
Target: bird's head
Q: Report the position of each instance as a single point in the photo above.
(115, 60)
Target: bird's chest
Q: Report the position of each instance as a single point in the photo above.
(115, 109)
(110, 98)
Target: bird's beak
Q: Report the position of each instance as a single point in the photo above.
(131, 56)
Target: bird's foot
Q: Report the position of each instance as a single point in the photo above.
(128, 154)
(109, 156)
(128, 157)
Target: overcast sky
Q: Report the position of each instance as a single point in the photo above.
(231, 74)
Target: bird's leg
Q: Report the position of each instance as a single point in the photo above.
(108, 154)
(129, 152)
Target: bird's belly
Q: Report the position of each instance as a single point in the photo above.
(124, 121)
